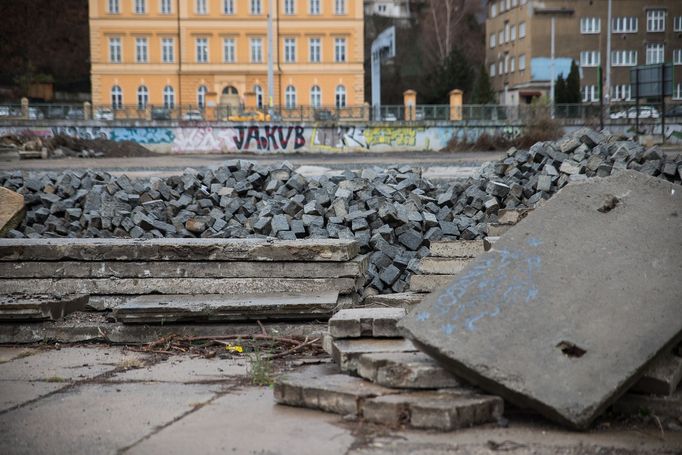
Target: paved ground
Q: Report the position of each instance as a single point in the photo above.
(94, 399)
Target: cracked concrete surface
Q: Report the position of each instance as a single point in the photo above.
(94, 399)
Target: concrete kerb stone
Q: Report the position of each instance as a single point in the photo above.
(366, 322)
(347, 352)
(457, 248)
(429, 283)
(399, 300)
(442, 266)
(405, 370)
(657, 405)
(662, 377)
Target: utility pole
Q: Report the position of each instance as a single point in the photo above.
(271, 69)
(383, 47)
(607, 84)
(552, 67)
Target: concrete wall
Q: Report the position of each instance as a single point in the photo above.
(292, 138)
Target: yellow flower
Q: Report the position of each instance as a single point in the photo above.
(234, 348)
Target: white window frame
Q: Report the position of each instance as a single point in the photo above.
(590, 59)
(167, 50)
(677, 93)
(316, 96)
(340, 7)
(255, 7)
(624, 58)
(166, 6)
(677, 24)
(228, 7)
(114, 7)
(258, 91)
(522, 30)
(290, 97)
(116, 97)
(202, 91)
(493, 40)
(229, 50)
(492, 70)
(256, 50)
(590, 25)
(201, 50)
(677, 56)
(655, 53)
(289, 50)
(512, 64)
(142, 97)
(522, 62)
(493, 9)
(115, 49)
(314, 7)
(589, 94)
(512, 32)
(500, 37)
(655, 20)
(201, 7)
(625, 24)
(622, 92)
(315, 50)
(141, 49)
(169, 97)
(340, 96)
(340, 50)
(289, 7)
(140, 7)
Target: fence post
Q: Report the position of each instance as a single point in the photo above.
(410, 102)
(87, 113)
(24, 108)
(456, 105)
(365, 112)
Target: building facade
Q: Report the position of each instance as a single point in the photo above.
(518, 43)
(207, 53)
(396, 9)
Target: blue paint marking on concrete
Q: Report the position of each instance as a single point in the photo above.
(534, 242)
(423, 316)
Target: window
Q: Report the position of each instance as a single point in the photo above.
(141, 54)
(515, 3)
(315, 50)
(140, 6)
(115, 50)
(167, 50)
(677, 24)
(166, 6)
(340, 96)
(589, 58)
(590, 25)
(315, 96)
(493, 39)
(506, 31)
(256, 50)
(677, 93)
(142, 97)
(258, 90)
(202, 50)
(168, 97)
(512, 33)
(677, 56)
(500, 37)
(202, 7)
(512, 64)
(655, 20)
(340, 50)
(256, 7)
(523, 2)
(289, 50)
(500, 68)
(493, 67)
(506, 63)
(621, 93)
(314, 7)
(624, 58)
(229, 50)
(289, 8)
(116, 97)
(522, 62)
(654, 53)
(340, 6)
(589, 93)
(114, 6)
(290, 97)
(625, 24)
(201, 96)
(493, 9)
(522, 30)
(228, 7)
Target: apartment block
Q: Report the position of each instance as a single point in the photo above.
(518, 43)
(209, 53)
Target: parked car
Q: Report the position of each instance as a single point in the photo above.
(631, 113)
(34, 113)
(161, 113)
(255, 116)
(7, 111)
(104, 114)
(324, 115)
(390, 117)
(75, 113)
(675, 111)
(193, 115)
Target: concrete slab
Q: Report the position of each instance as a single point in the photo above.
(488, 242)
(319, 387)
(98, 418)
(429, 283)
(16, 393)
(346, 352)
(196, 308)
(441, 410)
(135, 286)
(169, 249)
(19, 307)
(11, 353)
(184, 269)
(551, 317)
(660, 406)
(246, 422)
(498, 229)
(456, 248)
(405, 370)
(186, 369)
(366, 322)
(442, 266)
(11, 210)
(399, 300)
(662, 377)
(63, 365)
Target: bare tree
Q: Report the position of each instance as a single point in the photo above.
(453, 23)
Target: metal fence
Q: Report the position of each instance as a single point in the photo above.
(566, 114)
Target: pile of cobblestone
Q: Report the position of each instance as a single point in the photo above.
(393, 213)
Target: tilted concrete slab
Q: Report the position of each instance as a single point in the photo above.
(39, 307)
(456, 248)
(229, 307)
(571, 305)
(405, 370)
(168, 249)
(366, 322)
(11, 210)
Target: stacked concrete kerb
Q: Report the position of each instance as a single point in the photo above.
(177, 280)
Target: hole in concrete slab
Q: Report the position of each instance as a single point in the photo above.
(571, 350)
(610, 203)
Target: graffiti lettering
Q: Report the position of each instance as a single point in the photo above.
(271, 138)
(143, 135)
(392, 136)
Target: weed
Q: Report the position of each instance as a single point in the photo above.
(260, 368)
(56, 379)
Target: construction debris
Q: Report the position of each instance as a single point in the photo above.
(555, 303)
(369, 322)
(16, 308)
(11, 210)
(662, 377)
(405, 370)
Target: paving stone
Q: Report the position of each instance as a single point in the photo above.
(346, 352)
(662, 377)
(457, 248)
(559, 336)
(11, 210)
(16, 307)
(429, 283)
(16, 393)
(441, 410)
(405, 370)
(497, 229)
(366, 322)
(321, 387)
(489, 242)
(398, 300)
(186, 370)
(442, 266)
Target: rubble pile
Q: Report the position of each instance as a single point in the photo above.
(393, 213)
(63, 146)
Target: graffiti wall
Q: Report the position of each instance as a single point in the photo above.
(287, 138)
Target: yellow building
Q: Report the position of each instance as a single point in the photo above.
(206, 53)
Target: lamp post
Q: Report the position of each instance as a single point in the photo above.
(271, 70)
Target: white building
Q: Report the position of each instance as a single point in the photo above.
(397, 9)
